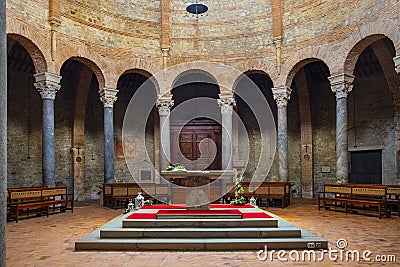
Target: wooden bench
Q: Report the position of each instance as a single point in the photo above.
(357, 198)
(366, 197)
(19, 189)
(118, 194)
(38, 201)
(393, 198)
(270, 191)
(334, 196)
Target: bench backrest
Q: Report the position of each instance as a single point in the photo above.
(133, 191)
(337, 189)
(276, 190)
(119, 191)
(393, 190)
(26, 194)
(55, 191)
(370, 191)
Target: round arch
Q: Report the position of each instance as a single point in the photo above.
(298, 66)
(39, 61)
(134, 65)
(201, 73)
(92, 66)
(143, 73)
(249, 72)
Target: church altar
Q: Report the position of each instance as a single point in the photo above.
(197, 183)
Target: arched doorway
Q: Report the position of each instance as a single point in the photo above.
(132, 86)
(263, 83)
(24, 119)
(373, 114)
(196, 133)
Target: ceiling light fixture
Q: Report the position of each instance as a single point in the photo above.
(197, 9)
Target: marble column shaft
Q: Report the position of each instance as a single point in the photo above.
(108, 97)
(164, 109)
(48, 84)
(3, 133)
(282, 96)
(226, 104)
(341, 86)
(48, 146)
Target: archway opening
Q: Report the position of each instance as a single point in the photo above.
(196, 134)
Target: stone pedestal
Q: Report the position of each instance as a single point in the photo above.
(197, 185)
(197, 193)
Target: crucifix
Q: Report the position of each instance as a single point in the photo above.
(306, 146)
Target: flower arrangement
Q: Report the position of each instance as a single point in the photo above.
(148, 202)
(177, 168)
(180, 167)
(239, 190)
(170, 168)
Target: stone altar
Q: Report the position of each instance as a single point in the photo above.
(197, 185)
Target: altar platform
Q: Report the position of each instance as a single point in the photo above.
(222, 228)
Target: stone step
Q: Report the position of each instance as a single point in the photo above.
(283, 232)
(200, 223)
(200, 244)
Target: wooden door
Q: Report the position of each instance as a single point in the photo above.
(197, 143)
(366, 167)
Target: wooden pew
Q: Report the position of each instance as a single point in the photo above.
(269, 191)
(365, 197)
(117, 195)
(393, 198)
(278, 191)
(334, 196)
(57, 198)
(37, 201)
(358, 198)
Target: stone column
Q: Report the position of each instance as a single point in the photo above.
(341, 86)
(48, 84)
(164, 105)
(108, 97)
(397, 133)
(3, 133)
(282, 96)
(226, 103)
(397, 64)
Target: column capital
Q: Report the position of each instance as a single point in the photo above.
(47, 84)
(165, 50)
(108, 96)
(281, 95)
(397, 64)
(226, 103)
(341, 84)
(277, 41)
(54, 22)
(164, 105)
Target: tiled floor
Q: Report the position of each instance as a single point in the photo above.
(50, 241)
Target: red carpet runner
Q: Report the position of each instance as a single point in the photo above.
(150, 212)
